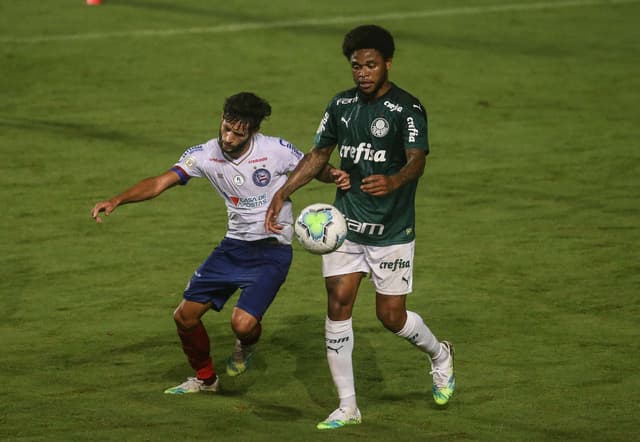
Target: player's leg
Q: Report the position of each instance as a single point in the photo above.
(247, 329)
(210, 286)
(195, 344)
(392, 275)
(339, 337)
(343, 271)
(391, 311)
(265, 268)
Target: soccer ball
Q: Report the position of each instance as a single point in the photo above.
(320, 228)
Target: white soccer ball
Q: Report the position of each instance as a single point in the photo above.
(320, 228)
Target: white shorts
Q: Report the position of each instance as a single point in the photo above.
(390, 267)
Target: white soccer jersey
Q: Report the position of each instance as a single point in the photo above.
(247, 184)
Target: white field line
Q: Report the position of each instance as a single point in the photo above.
(238, 27)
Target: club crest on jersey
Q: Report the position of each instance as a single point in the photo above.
(379, 127)
(238, 180)
(261, 177)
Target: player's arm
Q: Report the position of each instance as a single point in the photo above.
(332, 174)
(308, 168)
(380, 185)
(146, 189)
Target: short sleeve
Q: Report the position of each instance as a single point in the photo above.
(188, 166)
(293, 157)
(415, 127)
(326, 135)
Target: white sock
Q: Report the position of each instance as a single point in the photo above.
(417, 332)
(339, 341)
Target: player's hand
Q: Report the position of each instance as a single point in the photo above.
(104, 206)
(378, 185)
(271, 219)
(341, 178)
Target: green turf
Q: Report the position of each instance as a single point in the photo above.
(528, 240)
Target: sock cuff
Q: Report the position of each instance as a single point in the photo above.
(409, 325)
(338, 326)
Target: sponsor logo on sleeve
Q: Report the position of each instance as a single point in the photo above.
(190, 161)
(323, 123)
(292, 148)
(413, 131)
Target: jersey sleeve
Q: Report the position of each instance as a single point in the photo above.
(327, 134)
(415, 127)
(293, 156)
(188, 166)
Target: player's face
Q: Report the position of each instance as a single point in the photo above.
(234, 137)
(370, 72)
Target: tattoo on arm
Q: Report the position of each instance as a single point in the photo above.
(416, 160)
(311, 165)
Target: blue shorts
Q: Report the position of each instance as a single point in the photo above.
(258, 268)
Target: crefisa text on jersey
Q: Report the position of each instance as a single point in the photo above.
(413, 132)
(363, 152)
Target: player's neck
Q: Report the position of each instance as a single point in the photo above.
(380, 92)
(240, 153)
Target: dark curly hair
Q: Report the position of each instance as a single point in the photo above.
(246, 107)
(368, 37)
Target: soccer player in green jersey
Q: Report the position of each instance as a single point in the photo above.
(380, 132)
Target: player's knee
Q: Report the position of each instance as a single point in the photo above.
(391, 319)
(183, 320)
(244, 325)
(340, 305)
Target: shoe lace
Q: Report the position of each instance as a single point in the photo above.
(440, 378)
(339, 414)
(191, 382)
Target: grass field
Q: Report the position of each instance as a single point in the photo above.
(528, 233)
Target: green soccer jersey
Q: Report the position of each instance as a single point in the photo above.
(371, 138)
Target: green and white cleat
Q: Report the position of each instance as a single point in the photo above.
(339, 418)
(240, 359)
(444, 381)
(193, 385)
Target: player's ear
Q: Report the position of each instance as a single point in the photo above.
(253, 130)
(388, 62)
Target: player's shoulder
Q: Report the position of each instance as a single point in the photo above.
(197, 150)
(277, 144)
(402, 100)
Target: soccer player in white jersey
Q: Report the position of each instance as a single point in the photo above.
(381, 134)
(246, 168)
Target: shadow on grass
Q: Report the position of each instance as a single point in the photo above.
(311, 369)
